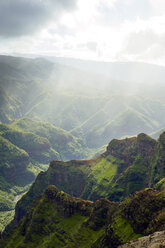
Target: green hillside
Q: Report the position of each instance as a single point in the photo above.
(95, 108)
(26, 148)
(17, 173)
(55, 219)
(127, 166)
(67, 146)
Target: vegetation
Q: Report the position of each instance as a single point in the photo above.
(55, 219)
(38, 89)
(26, 148)
(128, 165)
(66, 145)
(61, 95)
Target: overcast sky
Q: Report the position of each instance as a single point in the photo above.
(122, 30)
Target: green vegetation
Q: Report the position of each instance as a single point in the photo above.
(55, 219)
(124, 230)
(66, 145)
(16, 175)
(101, 175)
(161, 184)
(26, 148)
(6, 217)
(127, 166)
(94, 114)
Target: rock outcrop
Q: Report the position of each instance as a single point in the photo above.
(155, 240)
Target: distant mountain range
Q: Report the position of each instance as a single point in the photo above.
(91, 106)
(135, 72)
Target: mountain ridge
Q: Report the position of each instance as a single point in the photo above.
(55, 219)
(128, 165)
(84, 104)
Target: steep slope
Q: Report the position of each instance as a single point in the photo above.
(27, 147)
(16, 175)
(127, 123)
(128, 165)
(94, 107)
(55, 219)
(21, 80)
(134, 115)
(157, 133)
(66, 145)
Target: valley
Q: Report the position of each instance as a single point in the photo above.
(97, 137)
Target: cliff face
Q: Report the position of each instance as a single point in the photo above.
(55, 219)
(127, 166)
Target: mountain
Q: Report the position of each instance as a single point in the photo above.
(157, 133)
(65, 144)
(127, 166)
(88, 104)
(138, 72)
(126, 123)
(16, 176)
(55, 219)
(20, 81)
(26, 148)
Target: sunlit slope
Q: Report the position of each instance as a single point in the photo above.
(121, 116)
(23, 156)
(66, 145)
(31, 145)
(26, 148)
(128, 165)
(55, 219)
(91, 106)
(17, 173)
(21, 80)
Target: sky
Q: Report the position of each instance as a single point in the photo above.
(105, 30)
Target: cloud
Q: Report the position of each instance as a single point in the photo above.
(119, 11)
(139, 42)
(96, 29)
(88, 45)
(158, 7)
(145, 41)
(22, 17)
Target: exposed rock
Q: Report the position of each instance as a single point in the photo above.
(155, 240)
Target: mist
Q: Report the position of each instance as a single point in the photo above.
(94, 101)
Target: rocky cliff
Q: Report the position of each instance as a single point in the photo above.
(55, 219)
(127, 166)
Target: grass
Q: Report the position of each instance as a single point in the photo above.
(124, 230)
(5, 217)
(160, 185)
(57, 220)
(104, 171)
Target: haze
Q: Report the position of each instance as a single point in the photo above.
(97, 69)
